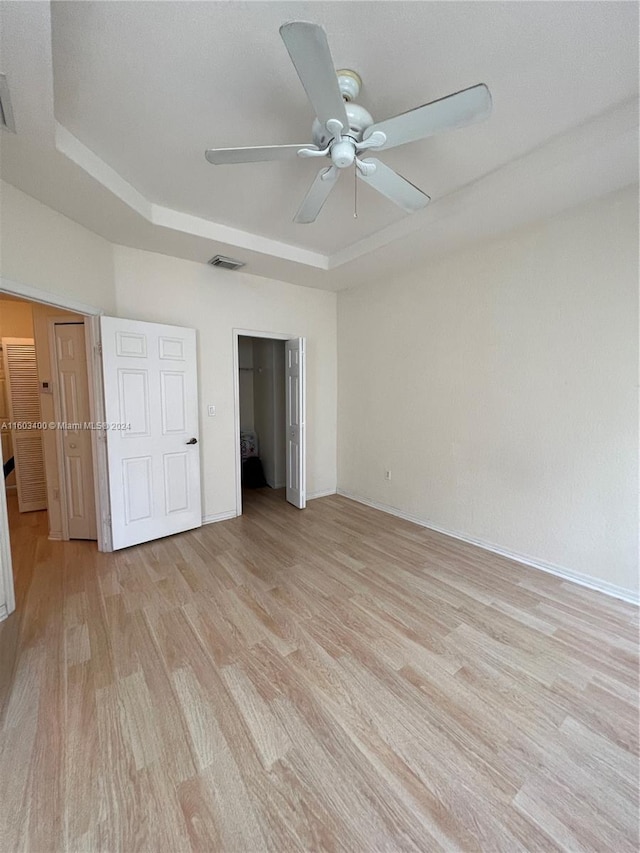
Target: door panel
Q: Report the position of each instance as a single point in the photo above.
(174, 402)
(133, 400)
(295, 426)
(176, 481)
(150, 381)
(77, 461)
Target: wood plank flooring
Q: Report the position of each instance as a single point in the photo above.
(328, 680)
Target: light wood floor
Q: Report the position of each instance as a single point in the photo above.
(334, 679)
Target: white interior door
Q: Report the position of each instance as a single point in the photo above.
(295, 426)
(77, 462)
(151, 386)
(21, 376)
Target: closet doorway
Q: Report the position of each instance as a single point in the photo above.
(270, 415)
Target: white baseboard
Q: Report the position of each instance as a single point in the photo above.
(3, 612)
(311, 496)
(220, 516)
(566, 574)
(55, 537)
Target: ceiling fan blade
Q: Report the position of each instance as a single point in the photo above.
(448, 113)
(256, 154)
(317, 195)
(309, 51)
(396, 188)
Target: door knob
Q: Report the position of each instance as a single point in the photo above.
(192, 441)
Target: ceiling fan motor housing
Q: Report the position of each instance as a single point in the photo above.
(359, 120)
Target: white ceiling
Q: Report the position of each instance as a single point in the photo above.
(138, 90)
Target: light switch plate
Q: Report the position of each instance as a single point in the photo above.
(211, 411)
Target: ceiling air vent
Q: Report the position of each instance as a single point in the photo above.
(6, 112)
(225, 263)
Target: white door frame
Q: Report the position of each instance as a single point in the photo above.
(6, 573)
(93, 340)
(94, 365)
(245, 333)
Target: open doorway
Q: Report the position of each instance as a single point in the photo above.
(261, 365)
(270, 418)
(45, 413)
(28, 319)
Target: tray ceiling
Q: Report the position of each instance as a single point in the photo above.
(138, 90)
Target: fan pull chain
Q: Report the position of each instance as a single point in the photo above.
(355, 192)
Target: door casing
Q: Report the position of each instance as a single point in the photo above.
(295, 417)
(248, 333)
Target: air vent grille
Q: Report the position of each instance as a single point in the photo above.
(6, 111)
(225, 263)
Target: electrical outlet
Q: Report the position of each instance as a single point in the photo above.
(387, 475)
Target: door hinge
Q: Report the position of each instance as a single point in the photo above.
(99, 348)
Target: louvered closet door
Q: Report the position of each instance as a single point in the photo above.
(5, 432)
(23, 391)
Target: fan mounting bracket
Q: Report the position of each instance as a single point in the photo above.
(350, 83)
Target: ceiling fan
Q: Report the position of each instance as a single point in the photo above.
(343, 129)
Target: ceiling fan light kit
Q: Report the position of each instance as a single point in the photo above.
(343, 129)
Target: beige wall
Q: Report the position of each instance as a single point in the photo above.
(499, 386)
(168, 290)
(42, 248)
(16, 320)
